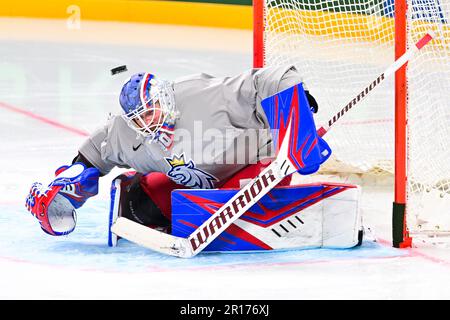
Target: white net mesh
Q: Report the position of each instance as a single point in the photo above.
(340, 47)
(429, 120)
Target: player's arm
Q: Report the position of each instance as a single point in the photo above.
(271, 80)
(54, 205)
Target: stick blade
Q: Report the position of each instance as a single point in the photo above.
(152, 239)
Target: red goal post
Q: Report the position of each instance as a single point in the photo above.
(400, 233)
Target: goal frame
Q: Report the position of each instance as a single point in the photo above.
(400, 234)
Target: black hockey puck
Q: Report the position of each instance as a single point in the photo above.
(119, 70)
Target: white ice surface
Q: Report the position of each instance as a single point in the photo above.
(63, 75)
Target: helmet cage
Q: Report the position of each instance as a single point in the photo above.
(156, 109)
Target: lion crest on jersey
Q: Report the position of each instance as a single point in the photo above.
(188, 175)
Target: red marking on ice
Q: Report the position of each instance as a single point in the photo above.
(43, 119)
(416, 252)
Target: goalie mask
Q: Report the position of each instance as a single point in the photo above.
(148, 105)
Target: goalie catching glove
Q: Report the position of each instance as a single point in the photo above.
(54, 206)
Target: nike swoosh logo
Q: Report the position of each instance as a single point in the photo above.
(135, 148)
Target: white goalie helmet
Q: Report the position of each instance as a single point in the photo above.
(148, 104)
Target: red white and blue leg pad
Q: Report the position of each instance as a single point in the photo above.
(117, 186)
(321, 215)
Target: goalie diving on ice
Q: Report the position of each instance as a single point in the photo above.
(335, 223)
(193, 145)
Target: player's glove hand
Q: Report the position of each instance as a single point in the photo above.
(54, 206)
(43, 202)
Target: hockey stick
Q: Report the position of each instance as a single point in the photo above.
(247, 196)
(387, 73)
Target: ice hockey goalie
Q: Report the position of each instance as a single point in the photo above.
(191, 145)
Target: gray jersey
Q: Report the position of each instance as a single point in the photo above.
(221, 129)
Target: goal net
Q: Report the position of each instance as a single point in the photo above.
(339, 47)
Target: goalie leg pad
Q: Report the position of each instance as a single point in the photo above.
(130, 200)
(303, 216)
